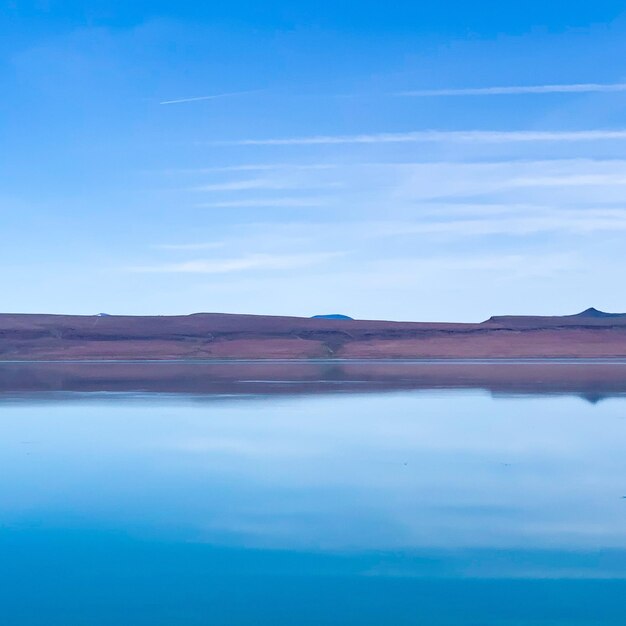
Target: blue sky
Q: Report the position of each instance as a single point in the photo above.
(427, 161)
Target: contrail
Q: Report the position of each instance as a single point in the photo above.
(514, 90)
(472, 136)
(213, 97)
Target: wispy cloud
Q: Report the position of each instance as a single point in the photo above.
(281, 166)
(266, 203)
(210, 97)
(255, 167)
(245, 185)
(182, 247)
(505, 266)
(518, 90)
(566, 222)
(562, 181)
(581, 180)
(245, 263)
(272, 184)
(459, 136)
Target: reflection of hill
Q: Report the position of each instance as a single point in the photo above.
(592, 382)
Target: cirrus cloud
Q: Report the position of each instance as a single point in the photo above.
(245, 263)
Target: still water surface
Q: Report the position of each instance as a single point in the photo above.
(413, 506)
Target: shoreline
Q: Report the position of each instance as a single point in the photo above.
(583, 360)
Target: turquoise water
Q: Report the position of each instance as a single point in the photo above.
(434, 507)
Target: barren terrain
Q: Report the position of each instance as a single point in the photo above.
(590, 334)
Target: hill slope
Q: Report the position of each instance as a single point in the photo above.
(215, 336)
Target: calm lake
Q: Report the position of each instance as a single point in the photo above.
(297, 494)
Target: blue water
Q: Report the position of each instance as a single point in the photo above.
(412, 507)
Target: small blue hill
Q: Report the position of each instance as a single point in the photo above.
(332, 316)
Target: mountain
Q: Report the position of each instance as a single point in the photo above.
(226, 336)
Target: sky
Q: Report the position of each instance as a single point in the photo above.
(442, 161)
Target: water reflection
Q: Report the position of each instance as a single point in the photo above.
(409, 481)
(592, 380)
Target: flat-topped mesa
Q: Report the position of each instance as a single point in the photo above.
(588, 317)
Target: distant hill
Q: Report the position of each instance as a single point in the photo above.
(588, 316)
(332, 316)
(590, 334)
(594, 313)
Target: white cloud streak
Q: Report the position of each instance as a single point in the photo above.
(581, 180)
(519, 264)
(518, 90)
(515, 225)
(252, 167)
(456, 136)
(245, 185)
(182, 247)
(255, 167)
(246, 263)
(210, 97)
(266, 203)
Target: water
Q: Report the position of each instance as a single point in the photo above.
(356, 497)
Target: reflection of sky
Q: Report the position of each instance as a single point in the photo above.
(347, 472)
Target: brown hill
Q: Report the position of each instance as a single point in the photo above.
(590, 334)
